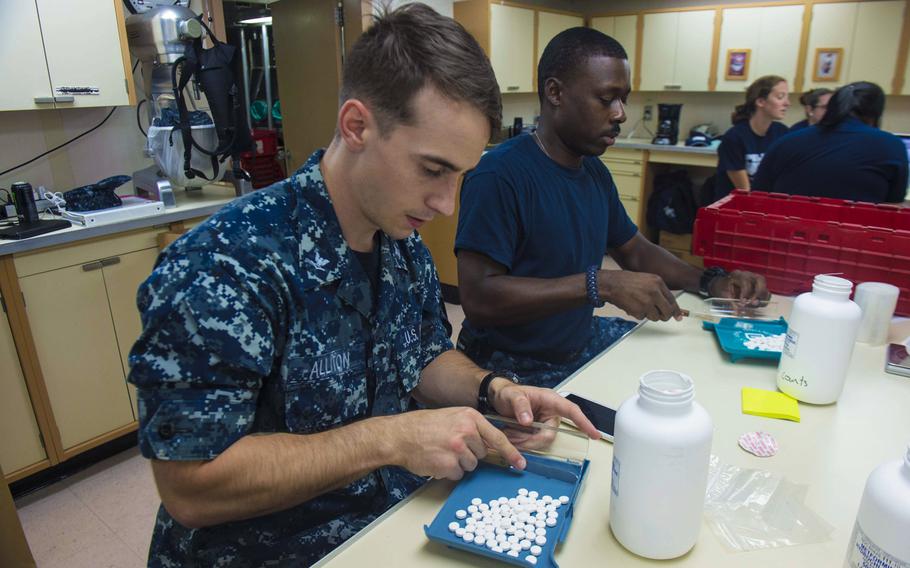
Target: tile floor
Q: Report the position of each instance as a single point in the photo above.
(103, 516)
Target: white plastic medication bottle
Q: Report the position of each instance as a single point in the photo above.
(881, 535)
(660, 467)
(819, 343)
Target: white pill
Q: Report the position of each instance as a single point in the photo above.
(502, 538)
(477, 516)
(502, 500)
(551, 522)
(522, 491)
(476, 501)
(459, 532)
(525, 544)
(536, 550)
(564, 499)
(483, 507)
(539, 524)
(493, 503)
(533, 494)
(513, 503)
(472, 508)
(491, 544)
(470, 521)
(531, 559)
(479, 539)
(513, 553)
(546, 498)
(553, 515)
(556, 505)
(468, 536)
(540, 540)
(540, 532)
(461, 513)
(452, 526)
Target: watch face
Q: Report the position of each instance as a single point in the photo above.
(140, 6)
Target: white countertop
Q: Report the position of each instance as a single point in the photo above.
(645, 144)
(832, 451)
(199, 203)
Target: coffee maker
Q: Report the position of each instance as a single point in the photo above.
(667, 125)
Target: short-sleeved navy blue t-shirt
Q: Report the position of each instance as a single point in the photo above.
(804, 123)
(742, 149)
(851, 161)
(540, 220)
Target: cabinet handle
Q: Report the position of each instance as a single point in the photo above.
(110, 261)
(65, 99)
(44, 100)
(92, 266)
(515, 88)
(672, 87)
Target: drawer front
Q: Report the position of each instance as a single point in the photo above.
(628, 185)
(684, 159)
(614, 154)
(62, 256)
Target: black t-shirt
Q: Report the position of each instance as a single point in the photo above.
(742, 149)
(800, 125)
(851, 161)
(369, 261)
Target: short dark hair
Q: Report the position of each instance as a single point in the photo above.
(569, 50)
(410, 48)
(862, 100)
(810, 98)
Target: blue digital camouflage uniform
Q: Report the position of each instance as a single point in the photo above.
(261, 319)
(548, 374)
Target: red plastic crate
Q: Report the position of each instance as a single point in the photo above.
(791, 238)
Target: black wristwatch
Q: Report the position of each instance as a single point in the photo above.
(707, 277)
(483, 393)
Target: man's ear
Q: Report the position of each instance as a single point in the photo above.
(552, 91)
(356, 124)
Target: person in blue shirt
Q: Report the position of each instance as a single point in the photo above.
(755, 128)
(285, 338)
(539, 213)
(815, 103)
(844, 156)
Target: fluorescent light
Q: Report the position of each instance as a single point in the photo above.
(267, 20)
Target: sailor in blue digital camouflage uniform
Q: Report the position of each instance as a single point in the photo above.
(285, 337)
(539, 213)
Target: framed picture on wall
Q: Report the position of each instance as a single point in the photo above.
(827, 64)
(738, 64)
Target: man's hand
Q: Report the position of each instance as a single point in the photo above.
(639, 294)
(529, 404)
(446, 443)
(741, 285)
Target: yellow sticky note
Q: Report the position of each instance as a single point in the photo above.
(770, 403)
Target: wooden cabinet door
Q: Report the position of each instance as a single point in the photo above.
(82, 43)
(23, 66)
(771, 34)
(658, 63)
(832, 27)
(122, 280)
(549, 24)
(20, 444)
(875, 42)
(694, 40)
(512, 48)
(74, 336)
(623, 29)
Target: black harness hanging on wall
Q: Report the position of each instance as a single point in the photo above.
(213, 70)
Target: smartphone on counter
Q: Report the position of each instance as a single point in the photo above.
(898, 361)
(603, 417)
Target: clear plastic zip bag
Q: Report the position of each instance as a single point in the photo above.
(751, 509)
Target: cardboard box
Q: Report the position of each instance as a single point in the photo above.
(14, 550)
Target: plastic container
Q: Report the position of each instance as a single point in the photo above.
(819, 343)
(880, 535)
(790, 238)
(661, 455)
(877, 300)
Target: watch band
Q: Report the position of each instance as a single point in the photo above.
(708, 276)
(591, 286)
(483, 393)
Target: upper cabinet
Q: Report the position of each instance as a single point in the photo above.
(769, 36)
(853, 41)
(512, 47)
(623, 29)
(676, 51)
(63, 54)
(549, 24)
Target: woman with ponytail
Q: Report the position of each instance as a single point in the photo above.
(755, 127)
(845, 156)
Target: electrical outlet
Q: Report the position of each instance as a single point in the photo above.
(647, 115)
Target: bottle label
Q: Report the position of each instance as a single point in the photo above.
(615, 480)
(791, 342)
(863, 553)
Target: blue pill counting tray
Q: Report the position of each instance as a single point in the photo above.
(733, 333)
(555, 470)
